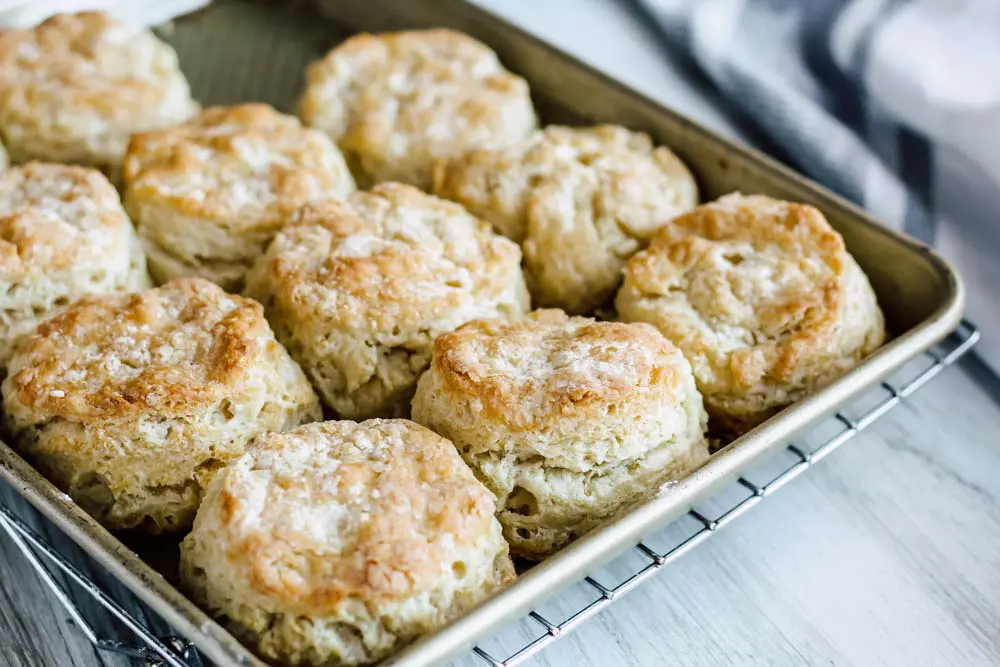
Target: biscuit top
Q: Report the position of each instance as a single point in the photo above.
(56, 217)
(749, 284)
(637, 186)
(244, 166)
(425, 93)
(337, 511)
(87, 66)
(162, 352)
(391, 257)
(549, 366)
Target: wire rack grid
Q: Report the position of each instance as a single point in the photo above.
(537, 631)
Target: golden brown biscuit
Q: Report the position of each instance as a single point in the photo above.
(581, 201)
(569, 421)
(75, 87)
(63, 235)
(358, 290)
(209, 195)
(131, 402)
(395, 103)
(762, 297)
(338, 543)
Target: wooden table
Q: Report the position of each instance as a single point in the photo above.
(887, 553)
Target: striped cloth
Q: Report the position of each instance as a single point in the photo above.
(893, 103)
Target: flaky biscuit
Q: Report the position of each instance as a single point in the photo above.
(63, 235)
(75, 87)
(358, 290)
(131, 402)
(337, 543)
(397, 102)
(581, 201)
(567, 420)
(209, 195)
(762, 297)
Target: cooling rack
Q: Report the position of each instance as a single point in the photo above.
(536, 631)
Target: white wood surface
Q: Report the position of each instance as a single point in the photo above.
(888, 553)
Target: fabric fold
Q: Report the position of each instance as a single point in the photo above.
(894, 104)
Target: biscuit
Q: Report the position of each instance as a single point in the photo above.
(337, 543)
(397, 102)
(209, 195)
(358, 291)
(63, 235)
(762, 297)
(75, 87)
(567, 420)
(580, 201)
(131, 402)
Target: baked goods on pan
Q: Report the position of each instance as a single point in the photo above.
(208, 195)
(358, 290)
(73, 88)
(580, 201)
(569, 421)
(337, 543)
(397, 102)
(131, 402)
(761, 296)
(63, 235)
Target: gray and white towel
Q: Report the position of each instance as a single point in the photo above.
(893, 103)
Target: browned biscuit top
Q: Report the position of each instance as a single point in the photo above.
(165, 351)
(55, 217)
(246, 166)
(377, 511)
(550, 367)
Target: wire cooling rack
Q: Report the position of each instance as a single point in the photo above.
(536, 631)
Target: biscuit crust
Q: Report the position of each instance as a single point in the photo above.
(763, 298)
(397, 102)
(339, 542)
(63, 235)
(581, 201)
(358, 290)
(568, 420)
(131, 402)
(73, 88)
(209, 195)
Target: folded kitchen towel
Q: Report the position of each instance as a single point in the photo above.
(893, 103)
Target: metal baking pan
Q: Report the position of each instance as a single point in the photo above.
(239, 50)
